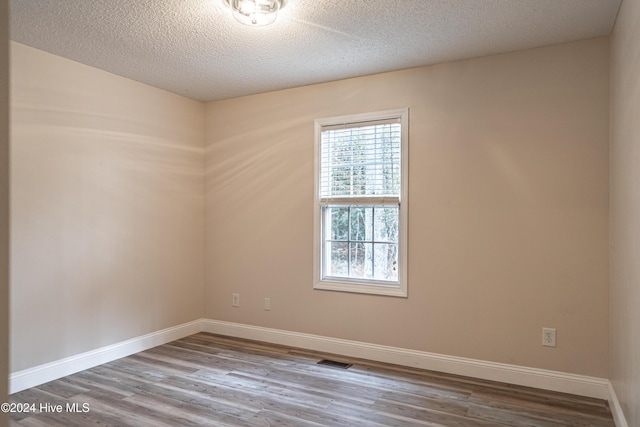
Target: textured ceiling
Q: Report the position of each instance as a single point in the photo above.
(195, 48)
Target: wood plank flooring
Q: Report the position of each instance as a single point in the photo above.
(211, 380)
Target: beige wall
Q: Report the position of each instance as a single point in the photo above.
(4, 206)
(508, 219)
(625, 211)
(107, 208)
(508, 209)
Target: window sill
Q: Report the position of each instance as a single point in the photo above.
(361, 288)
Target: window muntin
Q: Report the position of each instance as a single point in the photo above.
(361, 210)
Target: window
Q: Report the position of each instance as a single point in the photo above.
(360, 217)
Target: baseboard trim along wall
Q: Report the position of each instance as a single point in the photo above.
(599, 388)
(519, 375)
(616, 410)
(41, 374)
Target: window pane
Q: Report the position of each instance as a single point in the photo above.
(338, 223)
(363, 160)
(361, 224)
(361, 260)
(385, 261)
(362, 242)
(386, 224)
(341, 180)
(391, 178)
(339, 259)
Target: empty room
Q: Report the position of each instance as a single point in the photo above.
(320, 213)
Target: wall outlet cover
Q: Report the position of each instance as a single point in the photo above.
(549, 337)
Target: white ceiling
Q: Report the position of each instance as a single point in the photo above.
(195, 48)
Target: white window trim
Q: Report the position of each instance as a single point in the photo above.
(364, 287)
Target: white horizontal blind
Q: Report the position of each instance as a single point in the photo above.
(360, 160)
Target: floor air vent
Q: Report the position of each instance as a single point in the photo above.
(334, 364)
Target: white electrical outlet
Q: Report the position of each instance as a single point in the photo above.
(267, 304)
(235, 300)
(549, 337)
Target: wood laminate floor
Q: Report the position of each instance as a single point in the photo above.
(210, 380)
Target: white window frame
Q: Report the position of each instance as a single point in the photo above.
(360, 285)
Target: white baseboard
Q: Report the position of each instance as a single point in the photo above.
(41, 374)
(616, 410)
(530, 377)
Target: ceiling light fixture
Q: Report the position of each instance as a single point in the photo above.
(255, 12)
